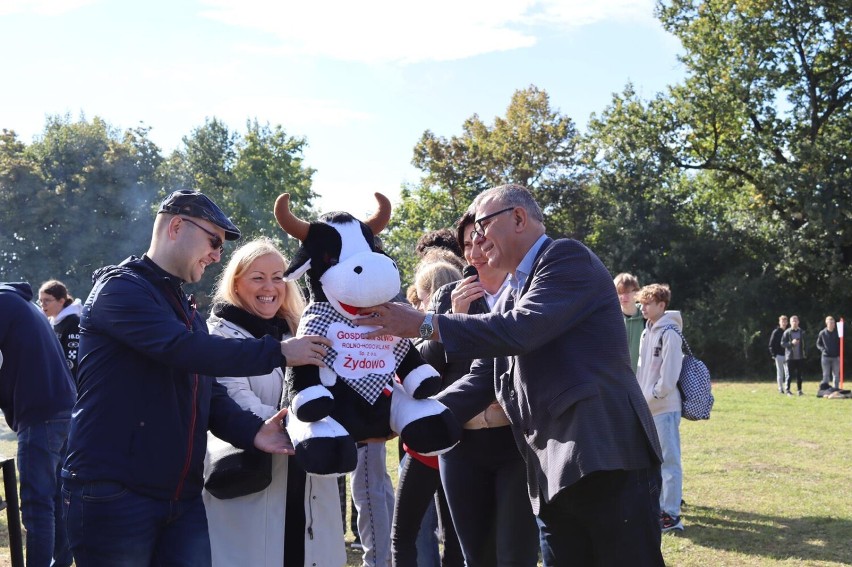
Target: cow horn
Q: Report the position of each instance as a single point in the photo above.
(381, 217)
(292, 225)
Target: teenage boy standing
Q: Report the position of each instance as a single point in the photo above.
(660, 361)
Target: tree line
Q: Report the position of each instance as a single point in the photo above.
(733, 186)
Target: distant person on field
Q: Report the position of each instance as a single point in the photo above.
(776, 351)
(828, 343)
(627, 285)
(36, 396)
(793, 341)
(63, 312)
(660, 361)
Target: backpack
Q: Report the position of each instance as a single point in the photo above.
(693, 383)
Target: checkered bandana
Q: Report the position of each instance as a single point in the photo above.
(316, 320)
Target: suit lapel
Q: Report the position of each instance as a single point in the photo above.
(547, 243)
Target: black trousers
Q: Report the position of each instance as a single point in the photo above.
(606, 519)
(419, 485)
(485, 481)
(794, 368)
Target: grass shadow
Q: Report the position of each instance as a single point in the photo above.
(813, 538)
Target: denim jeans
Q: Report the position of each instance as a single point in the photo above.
(428, 554)
(671, 489)
(41, 451)
(372, 492)
(112, 526)
(830, 366)
(780, 371)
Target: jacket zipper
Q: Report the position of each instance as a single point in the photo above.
(193, 419)
(190, 442)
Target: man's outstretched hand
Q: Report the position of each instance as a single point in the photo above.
(393, 319)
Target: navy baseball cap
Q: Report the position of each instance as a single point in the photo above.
(198, 205)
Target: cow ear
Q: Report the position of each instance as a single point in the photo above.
(298, 272)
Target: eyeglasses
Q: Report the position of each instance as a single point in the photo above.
(479, 231)
(215, 241)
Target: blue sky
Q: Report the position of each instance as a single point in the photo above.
(361, 81)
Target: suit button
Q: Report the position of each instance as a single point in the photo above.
(526, 432)
(512, 394)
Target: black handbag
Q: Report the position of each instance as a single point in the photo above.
(233, 472)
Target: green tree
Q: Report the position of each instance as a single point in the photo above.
(244, 175)
(766, 102)
(269, 162)
(80, 198)
(533, 145)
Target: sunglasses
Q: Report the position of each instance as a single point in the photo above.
(215, 242)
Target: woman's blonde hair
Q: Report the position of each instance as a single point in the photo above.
(430, 276)
(241, 258)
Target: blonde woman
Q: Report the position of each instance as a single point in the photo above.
(296, 519)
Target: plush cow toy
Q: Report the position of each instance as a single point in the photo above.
(356, 396)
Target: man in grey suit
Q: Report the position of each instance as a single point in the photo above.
(577, 413)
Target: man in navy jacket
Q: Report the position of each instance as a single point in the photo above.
(133, 475)
(36, 396)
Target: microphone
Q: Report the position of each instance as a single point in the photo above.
(478, 305)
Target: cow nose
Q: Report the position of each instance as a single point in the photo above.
(358, 269)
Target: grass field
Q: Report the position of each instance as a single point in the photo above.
(765, 482)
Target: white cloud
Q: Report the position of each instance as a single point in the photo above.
(234, 106)
(409, 32)
(42, 7)
(297, 113)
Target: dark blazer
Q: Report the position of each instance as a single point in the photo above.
(569, 390)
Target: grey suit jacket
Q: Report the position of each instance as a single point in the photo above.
(562, 373)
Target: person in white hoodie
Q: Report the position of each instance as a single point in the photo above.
(660, 360)
(63, 312)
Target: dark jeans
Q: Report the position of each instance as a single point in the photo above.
(41, 451)
(606, 519)
(485, 481)
(417, 487)
(794, 369)
(111, 526)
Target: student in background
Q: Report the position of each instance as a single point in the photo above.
(776, 351)
(828, 343)
(63, 312)
(627, 285)
(795, 353)
(660, 361)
